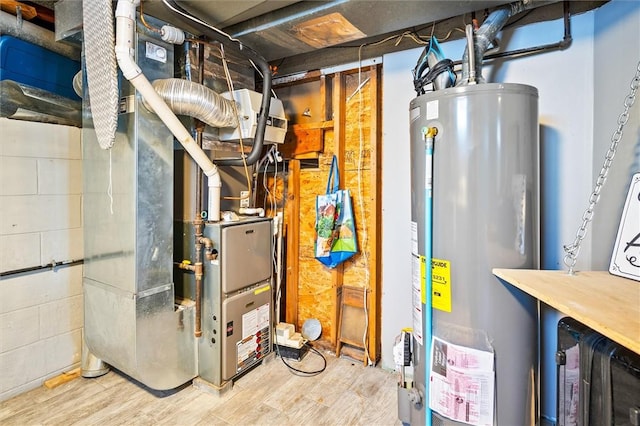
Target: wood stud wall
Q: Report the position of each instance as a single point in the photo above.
(350, 122)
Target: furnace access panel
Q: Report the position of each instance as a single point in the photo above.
(237, 299)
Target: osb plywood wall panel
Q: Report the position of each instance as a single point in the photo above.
(355, 269)
(312, 183)
(357, 153)
(316, 295)
(317, 292)
(357, 174)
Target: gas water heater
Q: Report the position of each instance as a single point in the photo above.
(484, 215)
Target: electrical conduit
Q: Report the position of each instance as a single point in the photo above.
(125, 27)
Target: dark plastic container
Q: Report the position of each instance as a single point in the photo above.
(35, 66)
(598, 380)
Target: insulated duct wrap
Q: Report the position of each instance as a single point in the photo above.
(185, 97)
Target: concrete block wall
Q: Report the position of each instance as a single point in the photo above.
(41, 313)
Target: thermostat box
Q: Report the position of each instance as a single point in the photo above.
(35, 66)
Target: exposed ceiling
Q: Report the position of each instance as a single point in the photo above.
(309, 34)
(280, 29)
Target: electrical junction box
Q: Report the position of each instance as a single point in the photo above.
(248, 103)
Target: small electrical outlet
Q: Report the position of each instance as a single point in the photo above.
(244, 199)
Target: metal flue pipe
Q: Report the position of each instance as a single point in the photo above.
(484, 36)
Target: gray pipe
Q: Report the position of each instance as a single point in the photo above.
(485, 35)
(37, 35)
(196, 100)
(471, 66)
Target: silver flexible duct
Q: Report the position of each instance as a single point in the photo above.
(485, 35)
(196, 100)
(102, 73)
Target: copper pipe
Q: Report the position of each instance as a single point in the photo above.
(198, 225)
(198, 270)
(208, 248)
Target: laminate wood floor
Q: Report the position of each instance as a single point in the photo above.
(346, 393)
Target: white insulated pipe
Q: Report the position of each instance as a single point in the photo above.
(125, 28)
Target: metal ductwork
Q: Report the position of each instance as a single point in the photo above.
(260, 63)
(308, 34)
(196, 100)
(20, 99)
(135, 318)
(25, 30)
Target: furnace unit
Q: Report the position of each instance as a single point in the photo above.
(142, 314)
(237, 306)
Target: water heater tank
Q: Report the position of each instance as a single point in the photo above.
(485, 215)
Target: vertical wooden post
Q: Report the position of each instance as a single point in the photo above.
(325, 98)
(339, 107)
(293, 242)
(373, 217)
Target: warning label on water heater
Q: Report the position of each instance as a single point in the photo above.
(441, 284)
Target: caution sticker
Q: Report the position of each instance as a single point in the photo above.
(441, 284)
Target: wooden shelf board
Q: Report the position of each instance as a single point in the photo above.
(606, 303)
